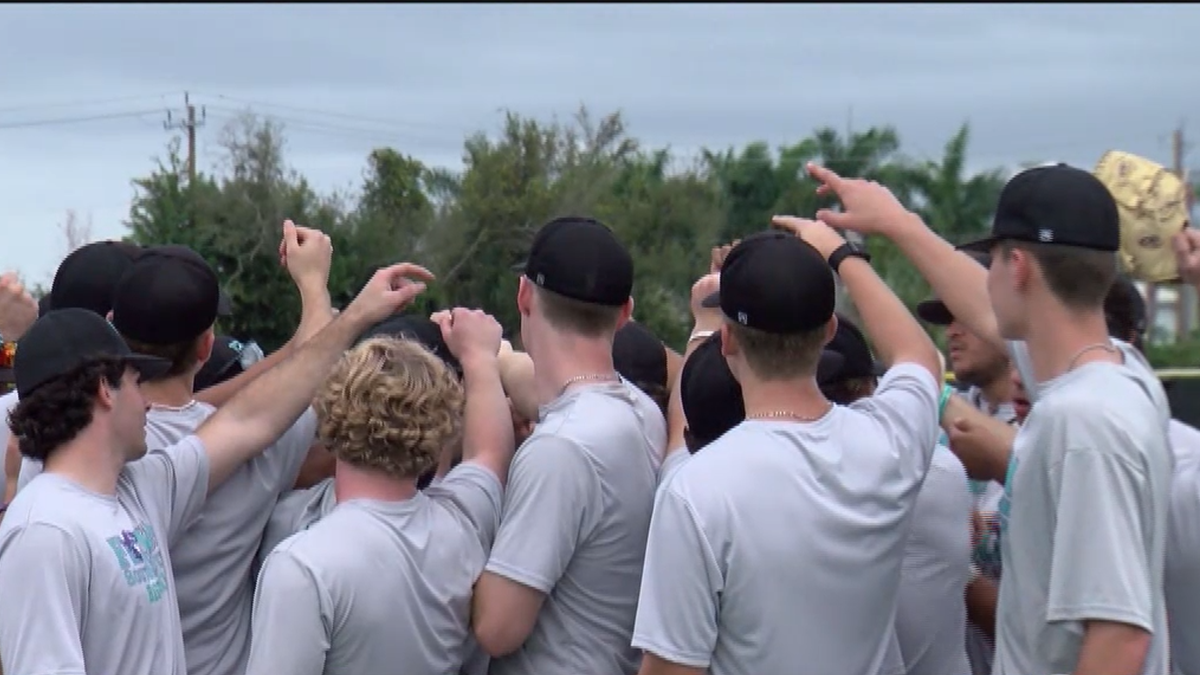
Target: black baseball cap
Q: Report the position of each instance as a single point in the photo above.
(776, 283)
(1125, 310)
(87, 277)
(639, 356)
(580, 258)
(1057, 204)
(66, 339)
(167, 296)
(856, 360)
(711, 396)
(224, 363)
(933, 310)
(224, 302)
(419, 329)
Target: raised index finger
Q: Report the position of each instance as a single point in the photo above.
(409, 270)
(826, 176)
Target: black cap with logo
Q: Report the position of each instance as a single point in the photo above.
(581, 258)
(639, 356)
(856, 360)
(88, 276)
(1057, 204)
(419, 329)
(933, 310)
(776, 283)
(168, 296)
(66, 339)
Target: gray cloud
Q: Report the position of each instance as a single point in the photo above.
(1036, 83)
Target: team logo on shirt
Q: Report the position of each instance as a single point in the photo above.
(141, 560)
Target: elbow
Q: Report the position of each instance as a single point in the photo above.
(496, 638)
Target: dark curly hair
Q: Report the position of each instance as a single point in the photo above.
(54, 413)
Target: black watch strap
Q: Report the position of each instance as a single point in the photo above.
(847, 250)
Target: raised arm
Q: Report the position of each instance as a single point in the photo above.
(259, 414)
(306, 254)
(474, 338)
(959, 281)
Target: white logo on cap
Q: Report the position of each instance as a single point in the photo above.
(1045, 236)
(742, 318)
(540, 280)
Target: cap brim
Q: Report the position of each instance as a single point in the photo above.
(983, 245)
(148, 367)
(713, 301)
(935, 312)
(829, 367)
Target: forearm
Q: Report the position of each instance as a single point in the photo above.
(895, 333)
(488, 434)
(316, 312)
(260, 413)
(959, 281)
(516, 372)
(1112, 649)
(981, 598)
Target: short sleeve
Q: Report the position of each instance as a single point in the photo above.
(1100, 570)
(30, 468)
(43, 583)
(678, 606)
(475, 492)
(290, 626)
(172, 483)
(906, 406)
(552, 501)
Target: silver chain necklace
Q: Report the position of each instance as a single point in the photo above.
(787, 414)
(1106, 346)
(585, 378)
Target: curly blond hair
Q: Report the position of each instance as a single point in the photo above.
(390, 405)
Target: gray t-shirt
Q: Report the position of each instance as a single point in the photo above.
(576, 514)
(295, 511)
(379, 587)
(931, 616)
(214, 553)
(1085, 515)
(781, 543)
(1182, 570)
(86, 578)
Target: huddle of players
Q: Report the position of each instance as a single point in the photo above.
(608, 543)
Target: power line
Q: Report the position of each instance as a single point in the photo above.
(324, 113)
(76, 120)
(85, 103)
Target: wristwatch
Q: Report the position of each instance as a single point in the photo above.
(847, 250)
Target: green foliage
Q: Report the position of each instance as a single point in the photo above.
(1181, 354)
(472, 228)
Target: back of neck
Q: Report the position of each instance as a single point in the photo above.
(351, 482)
(556, 364)
(1059, 342)
(89, 461)
(173, 392)
(801, 398)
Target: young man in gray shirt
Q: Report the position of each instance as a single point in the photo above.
(1084, 516)
(722, 591)
(559, 592)
(386, 577)
(85, 569)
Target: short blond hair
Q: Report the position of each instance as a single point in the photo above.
(390, 405)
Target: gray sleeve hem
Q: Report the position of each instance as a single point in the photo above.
(1100, 613)
(522, 577)
(690, 660)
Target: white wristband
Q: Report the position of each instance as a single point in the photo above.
(700, 335)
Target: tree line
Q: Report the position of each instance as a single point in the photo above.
(472, 227)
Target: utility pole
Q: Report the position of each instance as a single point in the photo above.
(1183, 300)
(189, 124)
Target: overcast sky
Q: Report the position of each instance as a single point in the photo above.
(1037, 83)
